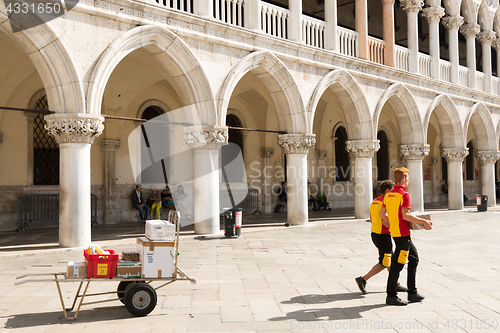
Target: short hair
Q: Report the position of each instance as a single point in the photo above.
(137, 186)
(399, 174)
(385, 185)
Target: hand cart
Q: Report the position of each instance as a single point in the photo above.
(137, 294)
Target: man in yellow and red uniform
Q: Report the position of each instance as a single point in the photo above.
(381, 237)
(396, 208)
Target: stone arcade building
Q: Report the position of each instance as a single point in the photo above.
(355, 84)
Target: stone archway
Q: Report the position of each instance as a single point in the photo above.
(172, 53)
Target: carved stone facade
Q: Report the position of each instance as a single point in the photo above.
(453, 22)
(296, 143)
(413, 152)
(412, 5)
(362, 148)
(455, 154)
(470, 29)
(433, 14)
(487, 156)
(206, 137)
(74, 128)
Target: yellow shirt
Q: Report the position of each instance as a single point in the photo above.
(377, 225)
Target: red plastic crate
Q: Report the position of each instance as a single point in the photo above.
(101, 265)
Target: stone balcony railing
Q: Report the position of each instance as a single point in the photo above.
(275, 21)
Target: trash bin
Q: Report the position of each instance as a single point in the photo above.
(482, 203)
(231, 220)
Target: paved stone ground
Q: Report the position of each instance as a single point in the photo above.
(277, 279)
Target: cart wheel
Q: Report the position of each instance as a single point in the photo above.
(120, 291)
(140, 299)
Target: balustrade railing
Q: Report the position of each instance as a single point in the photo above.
(495, 85)
(463, 76)
(424, 64)
(445, 70)
(229, 11)
(313, 32)
(348, 42)
(376, 49)
(480, 81)
(402, 58)
(274, 20)
(183, 5)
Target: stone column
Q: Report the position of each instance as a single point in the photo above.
(455, 158)
(296, 147)
(414, 155)
(412, 7)
(265, 154)
(207, 142)
(388, 32)
(331, 25)
(361, 16)
(30, 119)
(295, 23)
(487, 160)
(486, 38)
(204, 9)
(453, 23)
(470, 31)
(362, 152)
(75, 133)
(433, 15)
(321, 155)
(252, 14)
(109, 148)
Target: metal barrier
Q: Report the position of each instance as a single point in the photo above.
(44, 208)
(251, 201)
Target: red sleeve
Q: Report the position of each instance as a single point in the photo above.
(406, 201)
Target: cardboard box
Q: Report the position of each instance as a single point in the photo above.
(160, 230)
(157, 258)
(77, 270)
(130, 256)
(419, 226)
(128, 269)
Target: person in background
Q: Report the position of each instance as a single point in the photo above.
(155, 202)
(166, 199)
(396, 209)
(381, 237)
(181, 202)
(138, 203)
(282, 194)
(312, 199)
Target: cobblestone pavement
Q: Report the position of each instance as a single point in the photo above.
(296, 279)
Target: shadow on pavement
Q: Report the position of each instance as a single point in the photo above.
(322, 299)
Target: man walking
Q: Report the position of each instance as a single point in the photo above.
(381, 237)
(396, 208)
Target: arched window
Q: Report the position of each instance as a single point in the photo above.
(341, 155)
(383, 156)
(469, 162)
(45, 149)
(157, 172)
(235, 147)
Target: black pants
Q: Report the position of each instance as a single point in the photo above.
(405, 250)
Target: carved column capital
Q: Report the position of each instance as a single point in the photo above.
(206, 137)
(412, 5)
(296, 143)
(455, 154)
(74, 127)
(487, 156)
(470, 29)
(109, 145)
(433, 14)
(486, 37)
(496, 44)
(453, 22)
(266, 152)
(414, 152)
(321, 154)
(362, 148)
